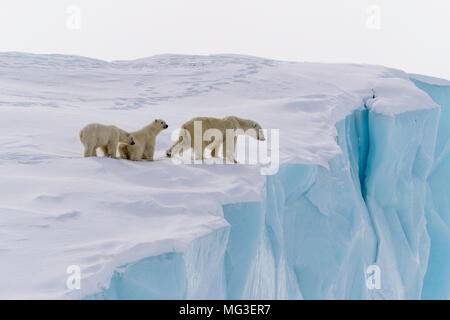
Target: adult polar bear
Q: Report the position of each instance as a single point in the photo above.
(96, 135)
(197, 132)
(145, 140)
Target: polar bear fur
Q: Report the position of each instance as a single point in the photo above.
(145, 140)
(96, 135)
(187, 138)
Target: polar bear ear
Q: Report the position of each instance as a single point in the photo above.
(156, 120)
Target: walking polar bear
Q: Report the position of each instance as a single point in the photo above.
(238, 126)
(105, 137)
(145, 140)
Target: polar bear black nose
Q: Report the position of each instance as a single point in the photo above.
(166, 126)
(132, 143)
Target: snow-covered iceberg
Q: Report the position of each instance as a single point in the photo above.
(362, 183)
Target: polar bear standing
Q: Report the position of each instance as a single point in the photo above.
(107, 138)
(145, 140)
(240, 126)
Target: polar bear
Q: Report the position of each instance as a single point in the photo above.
(96, 135)
(238, 126)
(145, 140)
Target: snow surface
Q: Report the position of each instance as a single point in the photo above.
(356, 147)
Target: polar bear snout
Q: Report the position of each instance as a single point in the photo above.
(166, 126)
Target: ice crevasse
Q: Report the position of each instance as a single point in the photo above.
(383, 201)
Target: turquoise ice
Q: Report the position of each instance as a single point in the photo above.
(384, 201)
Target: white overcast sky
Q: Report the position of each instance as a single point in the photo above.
(413, 35)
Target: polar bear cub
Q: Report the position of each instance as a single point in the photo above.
(107, 138)
(145, 140)
(238, 125)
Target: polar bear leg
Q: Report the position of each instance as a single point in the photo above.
(229, 152)
(135, 153)
(104, 150)
(198, 152)
(90, 151)
(123, 151)
(149, 152)
(112, 148)
(234, 150)
(215, 146)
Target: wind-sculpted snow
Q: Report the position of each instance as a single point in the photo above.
(362, 182)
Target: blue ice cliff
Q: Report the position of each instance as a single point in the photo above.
(436, 283)
(384, 201)
(359, 208)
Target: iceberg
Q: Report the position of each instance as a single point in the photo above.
(437, 281)
(359, 208)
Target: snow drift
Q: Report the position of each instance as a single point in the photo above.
(363, 181)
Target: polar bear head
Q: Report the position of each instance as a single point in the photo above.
(129, 139)
(161, 123)
(259, 131)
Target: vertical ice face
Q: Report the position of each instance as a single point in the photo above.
(437, 279)
(319, 232)
(195, 273)
(326, 227)
(399, 160)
